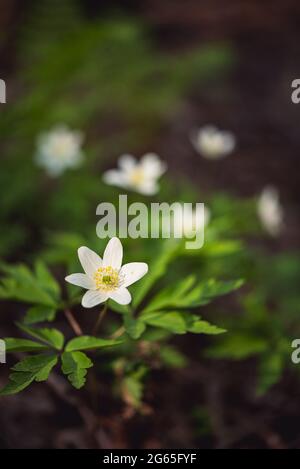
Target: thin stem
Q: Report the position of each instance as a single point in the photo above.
(118, 333)
(100, 319)
(73, 323)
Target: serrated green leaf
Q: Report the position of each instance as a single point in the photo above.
(17, 382)
(180, 322)
(185, 294)
(203, 327)
(86, 342)
(23, 345)
(34, 368)
(75, 365)
(173, 321)
(52, 337)
(38, 314)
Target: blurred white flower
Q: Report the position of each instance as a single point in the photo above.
(213, 143)
(270, 210)
(188, 221)
(140, 176)
(106, 278)
(59, 149)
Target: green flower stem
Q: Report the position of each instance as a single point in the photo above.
(100, 319)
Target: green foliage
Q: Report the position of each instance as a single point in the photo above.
(189, 293)
(37, 287)
(157, 269)
(74, 366)
(107, 78)
(52, 337)
(85, 342)
(23, 345)
(38, 314)
(35, 368)
(134, 327)
(133, 386)
(180, 322)
(171, 357)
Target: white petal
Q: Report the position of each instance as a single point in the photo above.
(132, 272)
(148, 187)
(153, 166)
(81, 280)
(121, 296)
(228, 142)
(93, 298)
(113, 254)
(114, 177)
(127, 162)
(89, 260)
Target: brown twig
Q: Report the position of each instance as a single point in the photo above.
(73, 323)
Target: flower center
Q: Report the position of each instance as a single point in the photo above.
(137, 177)
(62, 147)
(107, 279)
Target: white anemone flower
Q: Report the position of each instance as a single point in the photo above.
(188, 222)
(140, 176)
(270, 210)
(59, 149)
(106, 278)
(213, 143)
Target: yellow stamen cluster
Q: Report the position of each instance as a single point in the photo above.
(107, 279)
(137, 176)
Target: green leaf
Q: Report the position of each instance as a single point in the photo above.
(134, 327)
(22, 285)
(39, 313)
(203, 327)
(52, 337)
(46, 279)
(86, 342)
(171, 357)
(172, 321)
(133, 386)
(17, 382)
(23, 345)
(270, 371)
(180, 322)
(185, 294)
(34, 368)
(238, 346)
(156, 270)
(75, 365)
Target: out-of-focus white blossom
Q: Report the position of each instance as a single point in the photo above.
(140, 176)
(270, 210)
(213, 143)
(59, 149)
(189, 222)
